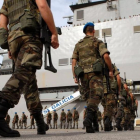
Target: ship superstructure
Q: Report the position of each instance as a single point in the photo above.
(118, 19)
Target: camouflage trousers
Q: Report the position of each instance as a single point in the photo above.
(100, 123)
(69, 123)
(109, 103)
(49, 123)
(75, 122)
(24, 123)
(126, 119)
(132, 120)
(54, 124)
(63, 123)
(32, 124)
(92, 90)
(13, 125)
(26, 51)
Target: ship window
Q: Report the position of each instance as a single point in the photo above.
(70, 61)
(63, 62)
(80, 15)
(137, 29)
(107, 32)
(96, 33)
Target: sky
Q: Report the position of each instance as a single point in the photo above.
(60, 9)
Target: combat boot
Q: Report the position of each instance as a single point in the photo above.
(107, 123)
(88, 121)
(42, 127)
(118, 124)
(5, 130)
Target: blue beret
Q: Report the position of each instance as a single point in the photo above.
(54, 110)
(15, 112)
(118, 69)
(68, 109)
(62, 109)
(74, 108)
(85, 106)
(86, 25)
(22, 112)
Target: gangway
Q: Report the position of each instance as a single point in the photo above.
(62, 103)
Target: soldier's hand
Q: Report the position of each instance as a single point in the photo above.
(75, 80)
(9, 55)
(111, 74)
(54, 41)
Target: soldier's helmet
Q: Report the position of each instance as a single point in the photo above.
(74, 108)
(86, 25)
(68, 109)
(62, 109)
(15, 112)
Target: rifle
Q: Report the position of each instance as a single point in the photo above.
(45, 35)
(106, 70)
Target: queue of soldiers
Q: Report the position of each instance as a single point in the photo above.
(100, 82)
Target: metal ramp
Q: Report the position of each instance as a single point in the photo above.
(62, 103)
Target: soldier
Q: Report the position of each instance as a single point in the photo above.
(25, 49)
(49, 118)
(55, 118)
(84, 115)
(24, 120)
(100, 119)
(15, 121)
(127, 114)
(20, 123)
(63, 118)
(87, 59)
(111, 98)
(7, 118)
(133, 111)
(75, 118)
(69, 119)
(32, 123)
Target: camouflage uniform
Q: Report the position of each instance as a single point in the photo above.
(63, 119)
(32, 123)
(15, 121)
(7, 119)
(20, 121)
(26, 50)
(24, 121)
(69, 119)
(127, 113)
(84, 115)
(55, 118)
(49, 118)
(100, 119)
(109, 101)
(75, 118)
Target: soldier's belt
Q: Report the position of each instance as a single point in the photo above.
(16, 26)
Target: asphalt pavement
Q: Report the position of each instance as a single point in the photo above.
(76, 134)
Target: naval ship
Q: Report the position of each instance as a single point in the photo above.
(119, 20)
